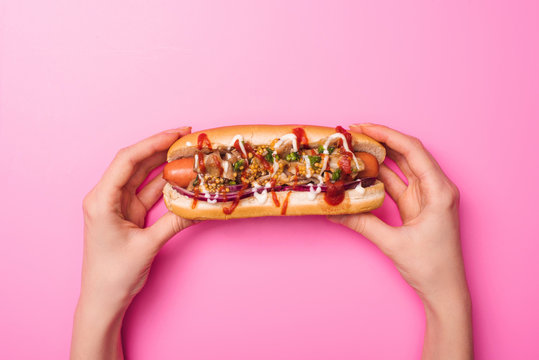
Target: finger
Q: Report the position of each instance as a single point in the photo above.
(144, 168)
(124, 164)
(392, 182)
(419, 159)
(132, 211)
(393, 155)
(401, 163)
(166, 227)
(369, 226)
(152, 191)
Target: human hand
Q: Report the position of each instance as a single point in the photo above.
(118, 249)
(426, 248)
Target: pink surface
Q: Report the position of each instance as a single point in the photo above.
(79, 80)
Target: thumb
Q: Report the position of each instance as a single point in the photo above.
(369, 226)
(166, 227)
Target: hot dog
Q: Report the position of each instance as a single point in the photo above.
(264, 170)
(180, 172)
(371, 165)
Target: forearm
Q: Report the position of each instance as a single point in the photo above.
(448, 333)
(97, 330)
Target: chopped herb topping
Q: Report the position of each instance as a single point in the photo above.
(293, 156)
(313, 159)
(238, 164)
(336, 175)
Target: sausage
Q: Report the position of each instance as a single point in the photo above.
(371, 165)
(180, 172)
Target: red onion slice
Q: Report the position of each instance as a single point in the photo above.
(230, 196)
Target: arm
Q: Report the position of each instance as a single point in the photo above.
(426, 248)
(118, 249)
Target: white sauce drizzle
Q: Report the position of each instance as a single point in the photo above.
(360, 189)
(261, 197)
(308, 171)
(313, 192)
(288, 137)
(188, 143)
(275, 167)
(225, 165)
(344, 142)
(240, 140)
(210, 200)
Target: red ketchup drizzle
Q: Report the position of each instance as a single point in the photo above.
(238, 147)
(230, 210)
(203, 138)
(195, 198)
(345, 162)
(334, 194)
(273, 195)
(285, 204)
(201, 165)
(346, 134)
(264, 162)
(300, 135)
(248, 147)
(219, 166)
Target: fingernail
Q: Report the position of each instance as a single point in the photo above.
(178, 130)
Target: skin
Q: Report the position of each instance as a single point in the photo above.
(426, 248)
(119, 249)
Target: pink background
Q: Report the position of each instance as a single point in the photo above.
(80, 79)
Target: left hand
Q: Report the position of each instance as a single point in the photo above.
(118, 250)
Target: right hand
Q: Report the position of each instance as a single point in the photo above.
(426, 248)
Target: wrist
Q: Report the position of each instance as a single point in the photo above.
(448, 332)
(107, 297)
(105, 303)
(456, 305)
(109, 309)
(449, 298)
(97, 329)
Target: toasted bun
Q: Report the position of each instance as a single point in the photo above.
(298, 204)
(264, 134)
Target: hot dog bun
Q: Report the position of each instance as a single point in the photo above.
(264, 134)
(298, 202)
